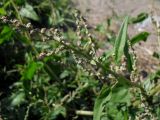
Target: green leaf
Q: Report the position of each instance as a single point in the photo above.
(93, 62)
(58, 110)
(2, 11)
(129, 57)
(29, 12)
(139, 18)
(123, 81)
(101, 28)
(119, 116)
(120, 94)
(6, 34)
(140, 37)
(121, 41)
(107, 54)
(20, 2)
(102, 99)
(64, 74)
(18, 99)
(115, 111)
(150, 82)
(158, 113)
(30, 70)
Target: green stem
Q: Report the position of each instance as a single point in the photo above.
(17, 12)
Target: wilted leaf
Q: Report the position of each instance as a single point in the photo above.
(121, 41)
(29, 12)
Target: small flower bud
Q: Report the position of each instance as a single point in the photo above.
(15, 21)
(41, 56)
(29, 25)
(51, 29)
(31, 32)
(3, 17)
(5, 20)
(43, 30)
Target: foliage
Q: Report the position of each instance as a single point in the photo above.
(50, 69)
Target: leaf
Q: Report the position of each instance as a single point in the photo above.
(139, 18)
(64, 74)
(29, 12)
(123, 81)
(107, 54)
(58, 110)
(93, 62)
(30, 70)
(149, 83)
(101, 28)
(6, 34)
(2, 11)
(158, 113)
(120, 94)
(18, 99)
(129, 57)
(104, 96)
(140, 37)
(121, 41)
(20, 2)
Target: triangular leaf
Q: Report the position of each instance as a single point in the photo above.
(121, 94)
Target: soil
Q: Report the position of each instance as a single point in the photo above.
(98, 11)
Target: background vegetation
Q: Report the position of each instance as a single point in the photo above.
(50, 69)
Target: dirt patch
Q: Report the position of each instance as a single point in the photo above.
(98, 11)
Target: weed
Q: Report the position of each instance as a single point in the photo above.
(61, 77)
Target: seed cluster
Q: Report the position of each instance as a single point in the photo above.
(83, 54)
(56, 35)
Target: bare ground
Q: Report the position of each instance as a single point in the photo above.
(98, 11)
